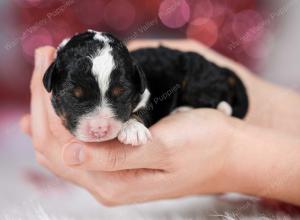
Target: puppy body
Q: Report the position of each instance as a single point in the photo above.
(101, 91)
(188, 79)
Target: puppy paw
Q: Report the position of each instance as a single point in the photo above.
(225, 108)
(134, 133)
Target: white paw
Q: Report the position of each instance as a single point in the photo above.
(225, 108)
(181, 109)
(134, 133)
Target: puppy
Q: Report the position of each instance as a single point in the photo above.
(101, 91)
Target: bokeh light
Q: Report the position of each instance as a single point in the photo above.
(174, 13)
(32, 3)
(89, 15)
(204, 30)
(248, 25)
(220, 24)
(204, 9)
(41, 38)
(220, 12)
(119, 15)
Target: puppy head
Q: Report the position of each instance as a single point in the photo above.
(95, 85)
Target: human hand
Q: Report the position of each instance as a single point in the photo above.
(186, 156)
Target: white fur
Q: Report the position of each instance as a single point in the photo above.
(133, 132)
(144, 99)
(103, 64)
(225, 108)
(181, 109)
(63, 43)
(99, 36)
(104, 111)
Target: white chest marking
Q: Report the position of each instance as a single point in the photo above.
(144, 99)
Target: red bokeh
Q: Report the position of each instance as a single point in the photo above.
(232, 27)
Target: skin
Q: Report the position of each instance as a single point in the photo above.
(257, 156)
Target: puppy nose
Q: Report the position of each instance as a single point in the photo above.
(99, 131)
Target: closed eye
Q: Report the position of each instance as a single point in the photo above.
(117, 90)
(78, 92)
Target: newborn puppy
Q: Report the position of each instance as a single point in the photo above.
(101, 91)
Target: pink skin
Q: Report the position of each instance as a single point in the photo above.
(98, 127)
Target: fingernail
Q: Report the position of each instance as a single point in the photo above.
(74, 154)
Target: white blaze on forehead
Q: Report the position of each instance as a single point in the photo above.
(99, 36)
(103, 64)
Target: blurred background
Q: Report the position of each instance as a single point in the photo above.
(261, 34)
(235, 28)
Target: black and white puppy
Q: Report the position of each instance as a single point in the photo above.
(101, 91)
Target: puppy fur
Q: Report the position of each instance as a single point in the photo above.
(101, 91)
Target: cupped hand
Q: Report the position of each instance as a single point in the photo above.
(186, 156)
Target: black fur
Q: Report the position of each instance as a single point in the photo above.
(196, 82)
(173, 78)
(72, 68)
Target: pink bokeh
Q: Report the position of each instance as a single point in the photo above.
(174, 13)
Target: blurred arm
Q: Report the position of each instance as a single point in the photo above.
(264, 162)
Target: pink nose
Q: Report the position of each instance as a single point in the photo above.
(99, 131)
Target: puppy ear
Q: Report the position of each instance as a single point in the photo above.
(48, 78)
(140, 78)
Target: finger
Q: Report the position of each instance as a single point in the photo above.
(78, 177)
(185, 44)
(25, 124)
(39, 127)
(56, 127)
(130, 186)
(44, 57)
(112, 156)
(42, 60)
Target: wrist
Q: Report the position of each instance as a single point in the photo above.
(222, 180)
(263, 162)
(229, 173)
(239, 172)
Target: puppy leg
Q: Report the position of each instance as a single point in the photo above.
(134, 132)
(225, 108)
(181, 109)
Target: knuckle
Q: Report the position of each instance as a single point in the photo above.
(38, 146)
(43, 50)
(168, 157)
(107, 203)
(167, 153)
(39, 51)
(108, 196)
(34, 84)
(54, 127)
(114, 159)
(41, 160)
